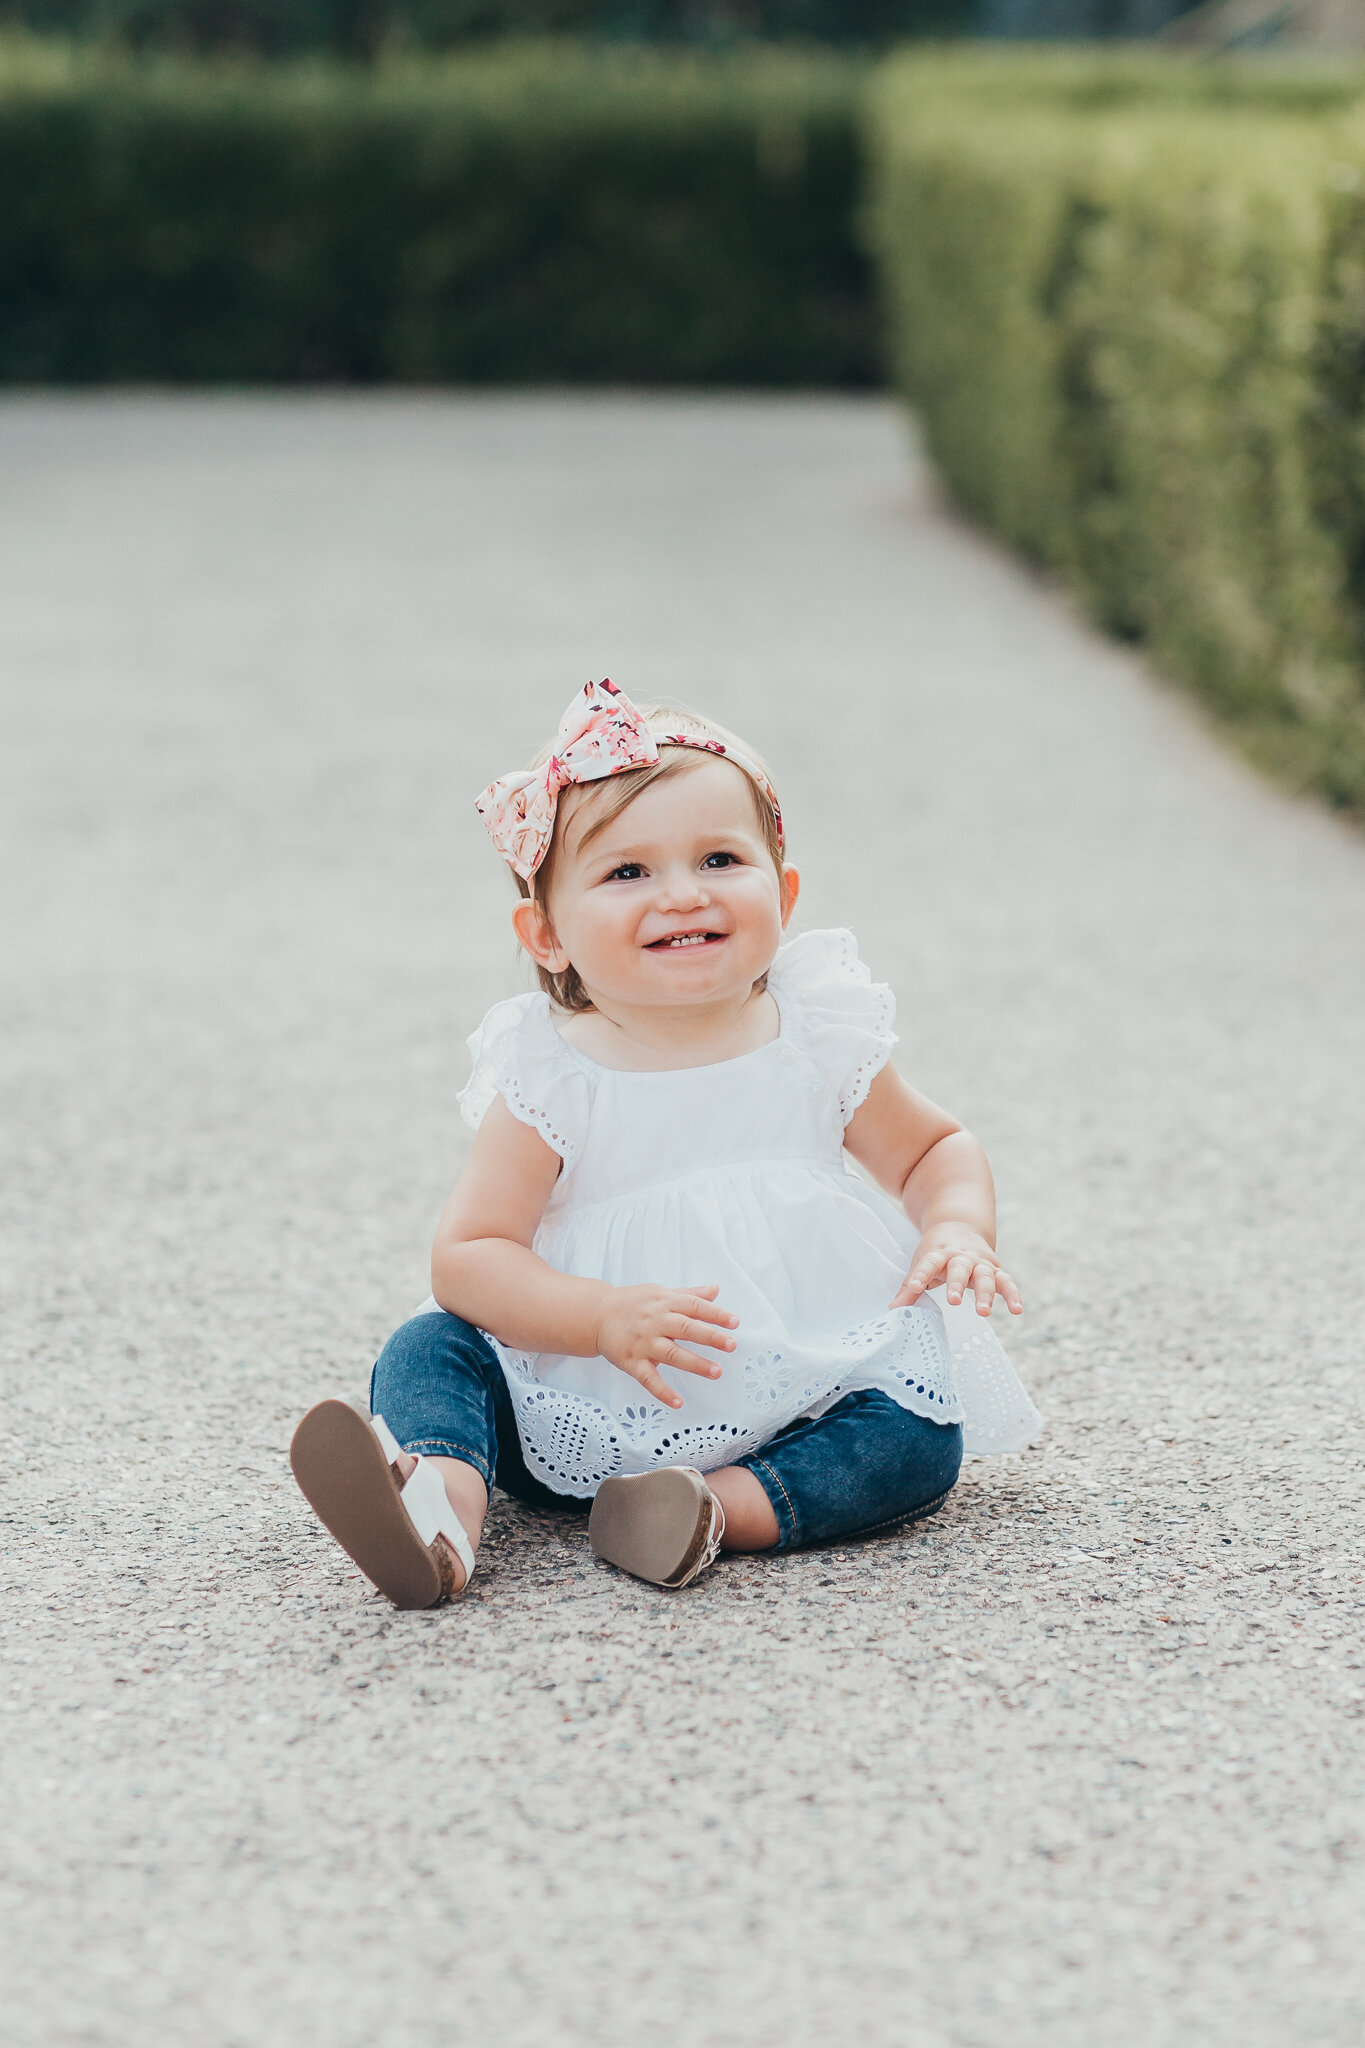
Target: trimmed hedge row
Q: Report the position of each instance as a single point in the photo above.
(529, 214)
(1137, 343)
(1125, 291)
(363, 28)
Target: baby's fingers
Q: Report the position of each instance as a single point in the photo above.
(957, 1277)
(1008, 1292)
(921, 1277)
(701, 1305)
(701, 1333)
(983, 1286)
(688, 1361)
(647, 1373)
(652, 1384)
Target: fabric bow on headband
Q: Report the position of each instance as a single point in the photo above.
(600, 734)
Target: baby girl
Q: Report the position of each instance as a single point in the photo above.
(662, 1294)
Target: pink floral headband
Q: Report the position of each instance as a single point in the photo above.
(600, 734)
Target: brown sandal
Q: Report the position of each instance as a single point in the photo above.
(404, 1534)
(662, 1526)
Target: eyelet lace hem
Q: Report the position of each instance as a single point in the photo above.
(573, 1443)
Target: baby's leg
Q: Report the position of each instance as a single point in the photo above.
(433, 1384)
(750, 1523)
(465, 1491)
(442, 1392)
(866, 1464)
(441, 1397)
(414, 1541)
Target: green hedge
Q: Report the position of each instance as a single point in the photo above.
(1125, 292)
(1128, 301)
(362, 28)
(542, 213)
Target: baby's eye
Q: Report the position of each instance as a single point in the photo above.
(720, 860)
(629, 871)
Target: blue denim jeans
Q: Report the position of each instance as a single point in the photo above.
(866, 1464)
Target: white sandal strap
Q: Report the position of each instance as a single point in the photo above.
(388, 1442)
(431, 1514)
(711, 1548)
(427, 1501)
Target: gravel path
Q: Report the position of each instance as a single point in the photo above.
(1078, 1763)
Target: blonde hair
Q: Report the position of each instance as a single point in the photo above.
(605, 801)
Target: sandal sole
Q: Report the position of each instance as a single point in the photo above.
(652, 1525)
(343, 1475)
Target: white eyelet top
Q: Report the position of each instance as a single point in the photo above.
(734, 1174)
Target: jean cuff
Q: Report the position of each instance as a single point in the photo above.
(439, 1447)
(783, 1506)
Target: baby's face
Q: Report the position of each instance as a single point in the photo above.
(677, 901)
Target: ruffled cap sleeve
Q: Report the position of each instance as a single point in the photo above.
(517, 1053)
(834, 1011)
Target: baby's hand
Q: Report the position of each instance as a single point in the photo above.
(641, 1329)
(960, 1258)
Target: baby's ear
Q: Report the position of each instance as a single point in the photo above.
(536, 935)
(791, 889)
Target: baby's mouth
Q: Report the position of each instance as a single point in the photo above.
(678, 942)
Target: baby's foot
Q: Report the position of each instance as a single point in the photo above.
(454, 1577)
(403, 1533)
(662, 1526)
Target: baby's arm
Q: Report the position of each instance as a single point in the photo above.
(483, 1269)
(938, 1171)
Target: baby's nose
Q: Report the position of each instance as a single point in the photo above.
(683, 887)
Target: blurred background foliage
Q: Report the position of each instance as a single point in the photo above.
(1123, 290)
(371, 28)
(528, 212)
(1126, 297)
(367, 28)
